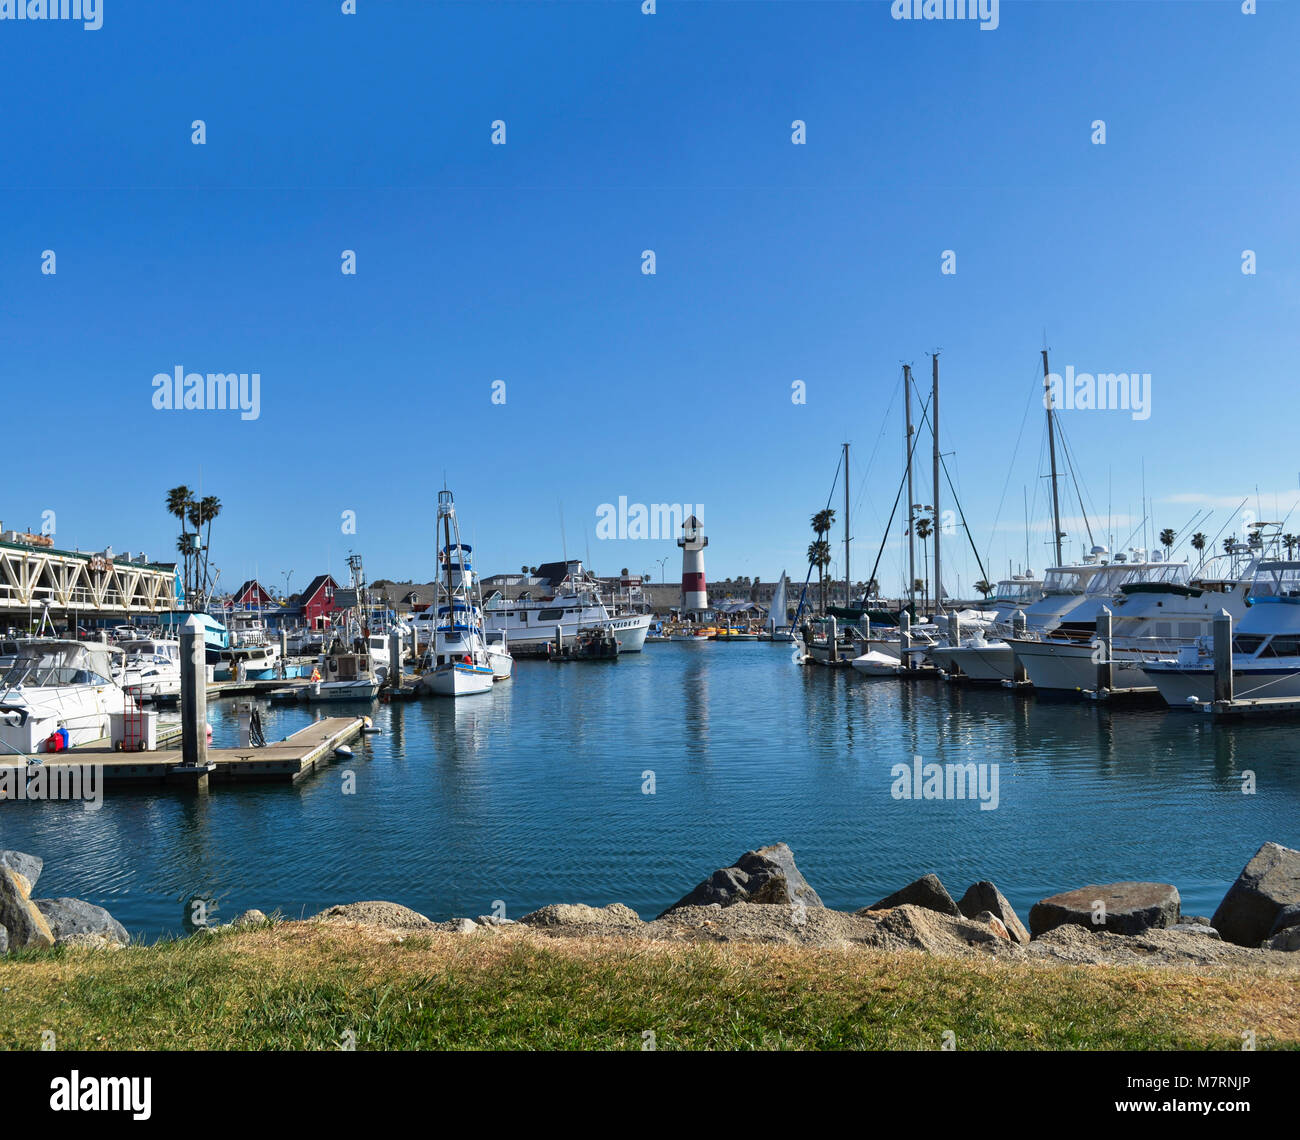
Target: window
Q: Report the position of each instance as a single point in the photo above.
(550, 615)
(1246, 643)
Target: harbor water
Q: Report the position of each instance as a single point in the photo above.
(631, 781)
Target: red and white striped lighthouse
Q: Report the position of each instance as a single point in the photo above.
(695, 597)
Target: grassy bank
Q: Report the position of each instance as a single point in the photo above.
(302, 986)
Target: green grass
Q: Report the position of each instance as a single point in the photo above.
(304, 986)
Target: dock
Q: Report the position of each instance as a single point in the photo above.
(284, 761)
(1242, 707)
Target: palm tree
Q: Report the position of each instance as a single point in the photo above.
(179, 501)
(1198, 544)
(923, 531)
(1167, 537)
(819, 555)
(1290, 541)
(1229, 543)
(200, 515)
(984, 587)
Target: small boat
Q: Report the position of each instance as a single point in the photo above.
(151, 668)
(342, 677)
(874, 663)
(589, 645)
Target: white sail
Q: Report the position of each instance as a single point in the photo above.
(776, 616)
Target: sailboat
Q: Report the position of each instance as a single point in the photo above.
(778, 628)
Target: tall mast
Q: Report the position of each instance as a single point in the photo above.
(911, 498)
(848, 589)
(934, 413)
(1051, 450)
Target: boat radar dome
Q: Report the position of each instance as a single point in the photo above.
(1099, 551)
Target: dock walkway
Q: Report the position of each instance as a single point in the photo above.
(285, 761)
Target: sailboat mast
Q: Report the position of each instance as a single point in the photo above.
(848, 589)
(911, 497)
(938, 530)
(1051, 450)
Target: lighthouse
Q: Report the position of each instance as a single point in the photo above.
(695, 597)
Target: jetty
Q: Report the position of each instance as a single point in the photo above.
(285, 761)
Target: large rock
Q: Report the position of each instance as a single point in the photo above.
(1267, 885)
(25, 924)
(579, 918)
(1286, 939)
(767, 875)
(386, 915)
(926, 892)
(984, 896)
(29, 866)
(4, 940)
(73, 919)
(1130, 908)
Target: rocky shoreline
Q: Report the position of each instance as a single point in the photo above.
(764, 898)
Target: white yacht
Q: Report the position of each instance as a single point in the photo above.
(1156, 611)
(151, 667)
(576, 605)
(56, 684)
(1265, 646)
(987, 656)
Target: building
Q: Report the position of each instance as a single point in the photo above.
(252, 596)
(316, 604)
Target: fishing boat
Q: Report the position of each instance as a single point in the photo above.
(245, 663)
(459, 662)
(56, 695)
(342, 676)
(1265, 646)
(530, 623)
(589, 645)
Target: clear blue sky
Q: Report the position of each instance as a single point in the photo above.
(522, 263)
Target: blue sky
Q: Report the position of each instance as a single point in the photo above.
(522, 263)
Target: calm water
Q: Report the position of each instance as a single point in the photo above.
(533, 795)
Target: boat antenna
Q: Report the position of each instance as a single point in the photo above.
(934, 430)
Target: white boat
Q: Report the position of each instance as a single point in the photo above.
(988, 656)
(151, 668)
(1156, 611)
(342, 676)
(56, 684)
(876, 664)
(576, 605)
(778, 614)
(459, 662)
(253, 662)
(1265, 646)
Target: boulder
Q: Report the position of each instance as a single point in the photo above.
(582, 919)
(1204, 929)
(1286, 939)
(984, 896)
(92, 941)
(1130, 908)
(69, 918)
(25, 924)
(252, 917)
(29, 866)
(767, 875)
(927, 892)
(466, 926)
(1287, 917)
(1267, 885)
(4, 941)
(387, 915)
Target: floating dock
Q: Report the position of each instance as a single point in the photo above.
(283, 761)
(1242, 707)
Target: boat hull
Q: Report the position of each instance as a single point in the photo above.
(457, 681)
